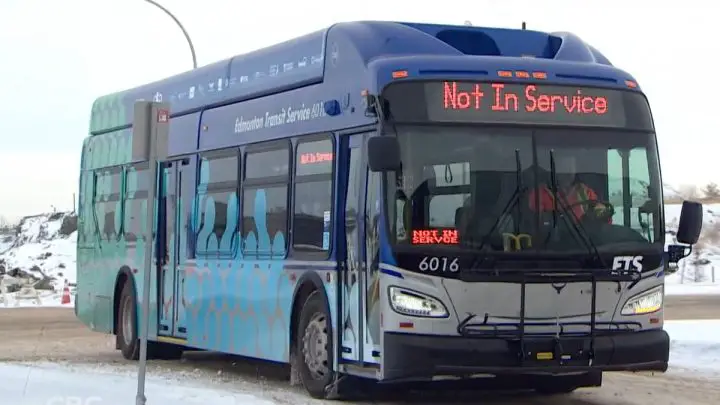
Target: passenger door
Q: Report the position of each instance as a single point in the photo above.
(168, 216)
(185, 197)
(354, 278)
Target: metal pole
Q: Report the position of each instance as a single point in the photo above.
(149, 256)
(187, 36)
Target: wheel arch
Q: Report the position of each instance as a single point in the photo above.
(308, 283)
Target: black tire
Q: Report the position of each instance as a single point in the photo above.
(127, 340)
(315, 312)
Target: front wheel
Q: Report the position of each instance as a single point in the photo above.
(315, 347)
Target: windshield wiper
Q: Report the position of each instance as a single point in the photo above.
(515, 198)
(575, 225)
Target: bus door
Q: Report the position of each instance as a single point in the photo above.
(354, 279)
(169, 221)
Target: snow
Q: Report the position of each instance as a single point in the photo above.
(695, 346)
(47, 384)
(702, 277)
(39, 245)
(37, 255)
(62, 255)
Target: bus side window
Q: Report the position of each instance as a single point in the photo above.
(107, 205)
(135, 203)
(265, 200)
(312, 216)
(217, 199)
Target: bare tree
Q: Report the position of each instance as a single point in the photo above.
(696, 266)
(5, 224)
(711, 191)
(690, 192)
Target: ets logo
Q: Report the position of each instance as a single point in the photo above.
(627, 263)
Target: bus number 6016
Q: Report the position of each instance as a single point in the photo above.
(435, 263)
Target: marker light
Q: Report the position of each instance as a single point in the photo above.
(399, 74)
(413, 303)
(644, 303)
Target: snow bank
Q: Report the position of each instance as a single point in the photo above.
(42, 249)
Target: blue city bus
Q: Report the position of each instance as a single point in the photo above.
(394, 202)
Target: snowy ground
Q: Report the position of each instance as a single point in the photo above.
(695, 346)
(47, 384)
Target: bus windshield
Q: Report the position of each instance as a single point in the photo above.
(525, 189)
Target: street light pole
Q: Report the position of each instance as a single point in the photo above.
(187, 36)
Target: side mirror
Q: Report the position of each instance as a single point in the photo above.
(384, 154)
(691, 220)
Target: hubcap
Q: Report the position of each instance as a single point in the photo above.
(315, 346)
(127, 321)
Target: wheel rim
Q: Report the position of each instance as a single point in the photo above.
(315, 346)
(127, 321)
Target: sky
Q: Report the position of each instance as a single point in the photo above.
(58, 56)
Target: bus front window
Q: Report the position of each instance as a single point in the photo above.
(469, 187)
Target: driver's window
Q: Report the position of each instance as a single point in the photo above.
(639, 182)
(639, 179)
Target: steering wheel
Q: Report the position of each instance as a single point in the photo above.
(602, 215)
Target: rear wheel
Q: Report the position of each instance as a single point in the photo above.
(127, 332)
(315, 347)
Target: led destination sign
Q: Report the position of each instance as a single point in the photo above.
(516, 103)
(524, 103)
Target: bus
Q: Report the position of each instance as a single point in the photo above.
(389, 202)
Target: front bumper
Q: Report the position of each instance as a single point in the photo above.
(413, 357)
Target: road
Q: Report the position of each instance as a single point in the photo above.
(692, 307)
(54, 335)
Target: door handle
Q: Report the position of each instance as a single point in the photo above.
(182, 293)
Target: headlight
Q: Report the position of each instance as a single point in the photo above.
(413, 303)
(645, 303)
